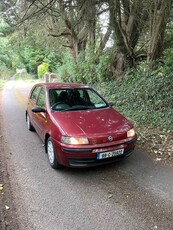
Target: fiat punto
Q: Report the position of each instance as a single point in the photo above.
(78, 126)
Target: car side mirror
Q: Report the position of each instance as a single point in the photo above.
(38, 110)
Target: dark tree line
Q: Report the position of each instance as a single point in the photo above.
(134, 30)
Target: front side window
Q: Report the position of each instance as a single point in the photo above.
(75, 99)
(41, 99)
(35, 93)
(95, 99)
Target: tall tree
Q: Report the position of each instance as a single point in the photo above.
(159, 13)
(135, 22)
(127, 19)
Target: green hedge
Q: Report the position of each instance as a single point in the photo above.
(147, 99)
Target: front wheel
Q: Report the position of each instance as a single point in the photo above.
(29, 125)
(51, 154)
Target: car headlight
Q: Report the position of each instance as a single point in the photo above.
(74, 140)
(131, 133)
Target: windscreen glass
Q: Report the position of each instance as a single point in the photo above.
(75, 99)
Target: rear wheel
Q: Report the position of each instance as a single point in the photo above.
(29, 125)
(51, 154)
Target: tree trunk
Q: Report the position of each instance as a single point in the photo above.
(126, 17)
(159, 15)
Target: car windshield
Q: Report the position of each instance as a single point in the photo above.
(75, 99)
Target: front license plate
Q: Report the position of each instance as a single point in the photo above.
(110, 154)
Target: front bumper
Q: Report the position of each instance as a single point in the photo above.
(90, 162)
(87, 157)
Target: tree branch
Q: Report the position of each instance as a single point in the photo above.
(60, 35)
(28, 8)
(35, 13)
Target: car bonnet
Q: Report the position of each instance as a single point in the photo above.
(93, 123)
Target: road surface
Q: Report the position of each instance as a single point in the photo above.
(136, 193)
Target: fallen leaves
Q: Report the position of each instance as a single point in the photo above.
(7, 207)
(158, 159)
(110, 196)
(156, 142)
(1, 187)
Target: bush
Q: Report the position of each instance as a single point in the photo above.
(146, 98)
(42, 69)
(5, 75)
(88, 68)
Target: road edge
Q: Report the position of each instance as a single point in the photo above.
(8, 214)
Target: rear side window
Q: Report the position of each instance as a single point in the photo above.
(35, 93)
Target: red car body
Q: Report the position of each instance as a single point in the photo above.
(101, 127)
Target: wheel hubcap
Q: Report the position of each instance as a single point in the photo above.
(50, 152)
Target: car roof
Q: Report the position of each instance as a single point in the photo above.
(62, 85)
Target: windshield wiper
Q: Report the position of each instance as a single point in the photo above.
(78, 107)
(102, 107)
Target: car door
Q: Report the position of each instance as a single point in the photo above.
(40, 119)
(32, 103)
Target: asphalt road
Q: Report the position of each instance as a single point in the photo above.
(136, 193)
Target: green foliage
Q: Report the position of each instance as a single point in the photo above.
(29, 78)
(68, 71)
(27, 52)
(6, 30)
(31, 57)
(53, 59)
(5, 75)
(5, 53)
(33, 50)
(42, 69)
(16, 77)
(88, 68)
(145, 97)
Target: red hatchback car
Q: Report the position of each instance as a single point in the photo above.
(79, 127)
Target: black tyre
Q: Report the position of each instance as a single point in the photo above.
(29, 125)
(51, 154)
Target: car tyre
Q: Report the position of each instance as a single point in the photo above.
(29, 125)
(51, 154)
